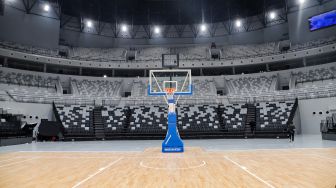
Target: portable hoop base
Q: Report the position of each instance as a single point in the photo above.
(170, 83)
(173, 141)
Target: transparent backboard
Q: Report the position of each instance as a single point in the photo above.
(162, 81)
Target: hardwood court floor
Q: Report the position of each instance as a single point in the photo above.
(194, 168)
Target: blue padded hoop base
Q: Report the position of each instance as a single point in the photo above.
(173, 142)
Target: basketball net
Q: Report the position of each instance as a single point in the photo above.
(169, 93)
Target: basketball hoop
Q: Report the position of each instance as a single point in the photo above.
(170, 84)
(170, 90)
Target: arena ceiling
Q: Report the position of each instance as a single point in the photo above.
(168, 12)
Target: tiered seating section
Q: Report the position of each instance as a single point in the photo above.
(198, 118)
(193, 53)
(114, 119)
(10, 125)
(76, 120)
(27, 80)
(98, 88)
(251, 84)
(155, 53)
(273, 116)
(148, 119)
(328, 125)
(244, 51)
(234, 117)
(316, 75)
(98, 54)
(151, 120)
(29, 49)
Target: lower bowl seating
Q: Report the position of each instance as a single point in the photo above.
(273, 116)
(202, 118)
(76, 119)
(148, 119)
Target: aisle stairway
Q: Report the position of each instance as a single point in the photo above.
(251, 116)
(98, 123)
(127, 120)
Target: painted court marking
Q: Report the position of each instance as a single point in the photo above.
(160, 168)
(100, 170)
(249, 172)
(9, 164)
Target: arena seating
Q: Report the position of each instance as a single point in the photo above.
(273, 116)
(25, 94)
(114, 119)
(10, 125)
(316, 75)
(234, 117)
(98, 54)
(250, 84)
(27, 80)
(202, 118)
(328, 125)
(98, 88)
(313, 43)
(244, 51)
(148, 119)
(151, 120)
(76, 120)
(193, 53)
(29, 49)
(154, 53)
(138, 89)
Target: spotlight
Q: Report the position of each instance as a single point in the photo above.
(89, 23)
(105, 76)
(238, 23)
(157, 30)
(46, 7)
(272, 15)
(123, 28)
(301, 1)
(203, 27)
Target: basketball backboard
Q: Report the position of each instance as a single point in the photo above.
(172, 81)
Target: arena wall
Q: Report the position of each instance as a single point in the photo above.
(310, 123)
(42, 111)
(29, 29)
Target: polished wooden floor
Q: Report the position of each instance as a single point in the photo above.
(194, 168)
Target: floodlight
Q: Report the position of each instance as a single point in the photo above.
(203, 27)
(105, 76)
(123, 28)
(89, 23)
(272, 15)
(157, 30)
(301, 1)
(46, 7)
(238, 23)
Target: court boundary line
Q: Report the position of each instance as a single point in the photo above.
(262, 149)
(100, 170)
(159, 168)
(249, 172)
(9, 164)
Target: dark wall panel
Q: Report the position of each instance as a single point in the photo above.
(17, 26)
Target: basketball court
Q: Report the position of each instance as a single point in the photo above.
(214, 164)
